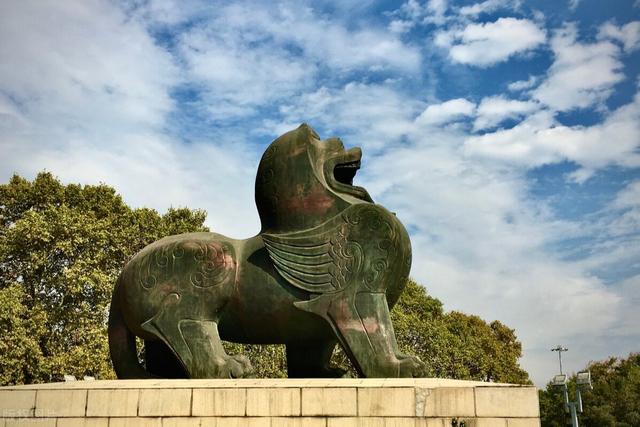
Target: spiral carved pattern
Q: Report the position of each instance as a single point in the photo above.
(213, 264)
(203, 264)
(347, 258)
(378, 231)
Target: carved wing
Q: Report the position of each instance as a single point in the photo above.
(319, 260)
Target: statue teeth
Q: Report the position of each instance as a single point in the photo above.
(352, 165)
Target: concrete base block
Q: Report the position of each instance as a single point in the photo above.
(421, 402)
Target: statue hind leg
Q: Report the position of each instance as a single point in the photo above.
(196, 343)
(161, 361)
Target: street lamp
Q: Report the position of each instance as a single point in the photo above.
(583, 381)
(559, 380)
(560, 349)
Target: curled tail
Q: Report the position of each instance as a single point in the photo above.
(122, 343)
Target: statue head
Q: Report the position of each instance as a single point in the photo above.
(302, 181)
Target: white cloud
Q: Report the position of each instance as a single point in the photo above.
(10, 116)
(580, 175)
(523, 84)
(624, 219)
(170, 12)
(492, 42)
(406, 17)
(628, 34)
(436, 10)
(412, 13)
(247, 54)
(377, 112)
(86, 96)
(454, 109)
(539, 140)
(327, 42)
(149, 170)
(495, 109)
(54, 63)
(629, 197)
(581, 74)
(400, 26)
(236, 77)
(629, 291)
(483, 7)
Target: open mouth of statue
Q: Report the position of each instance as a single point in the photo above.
(345, 172)
(340, 171)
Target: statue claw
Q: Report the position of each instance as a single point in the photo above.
(234, 366)
(411, 367)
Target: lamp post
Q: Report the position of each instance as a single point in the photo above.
(560, 349)
(583, 380)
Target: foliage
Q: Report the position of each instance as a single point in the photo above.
(268, 361)
(454, 344)
(62, 247)
(614, 400)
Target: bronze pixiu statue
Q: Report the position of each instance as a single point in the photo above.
(326, 268)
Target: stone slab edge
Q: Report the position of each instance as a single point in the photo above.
(419, 399)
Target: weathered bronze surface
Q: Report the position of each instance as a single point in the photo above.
(326, 268)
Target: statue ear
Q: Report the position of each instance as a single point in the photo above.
(307, 131)
(319, 260)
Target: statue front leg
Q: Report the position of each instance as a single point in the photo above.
(209, 358)
(365, 330)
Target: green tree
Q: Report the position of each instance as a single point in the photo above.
(614, 400)
(454, 344)
(63, 246)
(61, 250)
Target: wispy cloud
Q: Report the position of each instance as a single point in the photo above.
(438, 114)
(62, 63)
(540, 140)
(492, 42)
(523, 84)
(581, 74)
(485, 7)
(495, 109)
(628, 34)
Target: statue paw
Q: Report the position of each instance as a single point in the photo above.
(235, 366)
(411, 367)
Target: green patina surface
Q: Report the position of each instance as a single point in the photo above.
(326, 268)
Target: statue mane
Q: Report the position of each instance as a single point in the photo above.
(303, 180)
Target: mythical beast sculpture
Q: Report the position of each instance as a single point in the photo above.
(326, 268)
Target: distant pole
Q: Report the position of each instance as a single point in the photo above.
(560, 349)
(583, 379)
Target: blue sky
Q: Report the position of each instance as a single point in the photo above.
(505, 134)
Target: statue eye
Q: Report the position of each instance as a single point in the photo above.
(334, 144)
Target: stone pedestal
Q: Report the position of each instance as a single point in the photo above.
(270, 403)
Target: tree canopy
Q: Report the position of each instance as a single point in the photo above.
(63, 246)
(454, 344)
(61, 250)
(614, 400)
